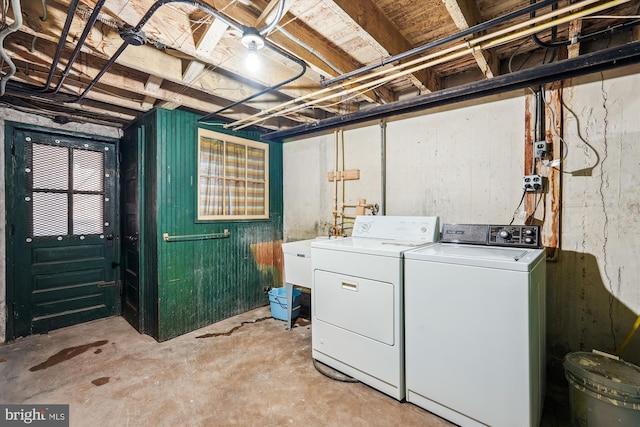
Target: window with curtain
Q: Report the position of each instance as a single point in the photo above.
(232, 175)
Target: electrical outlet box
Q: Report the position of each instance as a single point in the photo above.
(540, 149)
(532, 183)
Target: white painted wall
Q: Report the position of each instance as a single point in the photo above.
(8, 114)
(465, 164)
(594, 295)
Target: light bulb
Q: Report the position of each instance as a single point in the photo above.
(252, 61)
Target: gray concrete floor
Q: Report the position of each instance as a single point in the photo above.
(244, 371)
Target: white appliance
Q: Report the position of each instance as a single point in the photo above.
(475, 326)
(357, 298)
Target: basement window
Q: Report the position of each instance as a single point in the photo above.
(232, 176)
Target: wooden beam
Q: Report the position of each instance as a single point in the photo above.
(153, 84)
(337, 62)
(465, 14)
(553, 207)
(575, 28)
(210, 39)
(193, 71)
(262, 20)
(381, 30)
(104, 41)
(204, 47)
(151, 89)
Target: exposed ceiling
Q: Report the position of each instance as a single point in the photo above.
(189, 53)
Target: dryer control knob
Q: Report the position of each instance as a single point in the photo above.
(504, 234)
(528, 240)
(528, 232)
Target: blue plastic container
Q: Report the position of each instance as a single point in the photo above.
(278, 301)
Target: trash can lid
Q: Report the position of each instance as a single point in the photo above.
(609, 375)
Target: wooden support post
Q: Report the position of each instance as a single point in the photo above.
(553, 209)
(546, 205)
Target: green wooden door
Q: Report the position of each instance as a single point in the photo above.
(131, 229)
(64, 231)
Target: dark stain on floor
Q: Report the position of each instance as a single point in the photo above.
(3, 360)
(228, 333)
(66, 354)
(98, 351)
(100, 381)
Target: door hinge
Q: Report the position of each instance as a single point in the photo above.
(15, 312)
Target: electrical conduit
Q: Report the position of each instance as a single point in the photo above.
(17, 23)
(501, 37)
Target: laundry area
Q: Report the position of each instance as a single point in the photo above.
(244, 371)
(320, 213)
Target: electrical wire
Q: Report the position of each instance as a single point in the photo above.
(535, 205)
(565, 146)
(515, 212)
(633, 330)
(333, 374)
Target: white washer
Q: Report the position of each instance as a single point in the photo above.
(475, 332)
(357, 298)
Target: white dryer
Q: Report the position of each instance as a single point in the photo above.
(475, 326)
(357, 298)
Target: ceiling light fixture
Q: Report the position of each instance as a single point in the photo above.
(253, 41)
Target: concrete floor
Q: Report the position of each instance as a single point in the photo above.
(244, 371)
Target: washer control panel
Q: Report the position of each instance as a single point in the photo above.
(514, 235)
(521, 236)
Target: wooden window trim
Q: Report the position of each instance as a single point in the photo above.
(246, 143)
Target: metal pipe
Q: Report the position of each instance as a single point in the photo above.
(43, 18)
(342, 179)
(275, 21)
(152, 10)
(417, 50)
(335, 182)
(17, 23)
(270, 88)
(539, 42)
(383, 166)
(308, 48)
(445, 55)
(406, 64)
(83, 37)
(63, 38)
(569, 68)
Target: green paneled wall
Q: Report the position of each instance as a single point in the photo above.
(191, 284)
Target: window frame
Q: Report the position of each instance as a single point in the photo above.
(246, 143)
(70, 191)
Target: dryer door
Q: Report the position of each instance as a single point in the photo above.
(362, 306)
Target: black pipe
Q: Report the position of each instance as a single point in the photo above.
(583, 37)
(620, 56)
(83, 37)
(63, 38)
(540, 114)
(154, 7)
(269, 89)
(539, 42)
(476, 28)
